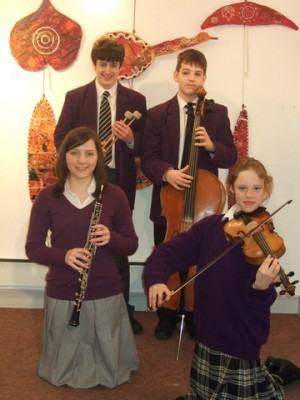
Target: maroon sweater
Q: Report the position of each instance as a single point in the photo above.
(69, 229)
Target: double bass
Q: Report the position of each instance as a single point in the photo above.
(205, 196)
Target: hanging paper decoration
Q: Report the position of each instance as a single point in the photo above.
(247, 13)
(240, 138)
(41, 149)
(45, 37)
(171, 46)
(139, 55)
(240, 134)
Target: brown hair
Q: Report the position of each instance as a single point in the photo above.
(246, 164)
(191, 56)
(107, 50)
(77, 137)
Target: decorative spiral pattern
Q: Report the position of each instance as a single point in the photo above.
(45, 40)
(248, 12)
(45, 37)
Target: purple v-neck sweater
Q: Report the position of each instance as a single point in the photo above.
(69, 229)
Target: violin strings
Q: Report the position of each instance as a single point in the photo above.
(260, 240)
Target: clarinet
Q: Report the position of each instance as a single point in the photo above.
(84, 275)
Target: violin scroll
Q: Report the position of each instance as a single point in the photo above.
(290, 286)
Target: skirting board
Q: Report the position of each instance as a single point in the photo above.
(22, 297)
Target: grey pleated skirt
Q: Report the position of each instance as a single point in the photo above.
(100, 351)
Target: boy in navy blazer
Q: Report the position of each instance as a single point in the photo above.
(162, 157)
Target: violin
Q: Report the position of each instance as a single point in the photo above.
(261, 243)
(238, 236)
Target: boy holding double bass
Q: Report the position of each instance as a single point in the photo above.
(165, 159)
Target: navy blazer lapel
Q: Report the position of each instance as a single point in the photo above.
(122, 102)
(90, 105)
(173, 126)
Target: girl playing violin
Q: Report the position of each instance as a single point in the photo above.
(232, 299)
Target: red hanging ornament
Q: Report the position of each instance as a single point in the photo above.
(240, 138)
(240, 134)
(247, 13)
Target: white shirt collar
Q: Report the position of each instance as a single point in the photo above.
(74, 199)
(100, 90)
(182, 103)
(230, 213)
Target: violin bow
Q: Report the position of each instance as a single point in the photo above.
(223, 253)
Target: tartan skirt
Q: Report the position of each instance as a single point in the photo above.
(100, 351)
(218, 376)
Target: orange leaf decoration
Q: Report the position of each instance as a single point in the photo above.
(41, 149)
(45, 37)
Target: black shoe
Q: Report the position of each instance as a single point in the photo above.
(137, 328)
(167, 323)
(189, 323)
(180, 398)
(286, 370)
(164, 330)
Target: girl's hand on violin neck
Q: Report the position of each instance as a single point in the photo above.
(179, 178)
(158, 294)
(267, 273)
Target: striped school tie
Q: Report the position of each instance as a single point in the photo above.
(104, 128)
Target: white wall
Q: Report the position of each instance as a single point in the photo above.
(271, 94)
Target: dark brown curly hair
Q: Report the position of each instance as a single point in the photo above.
(106, 49)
